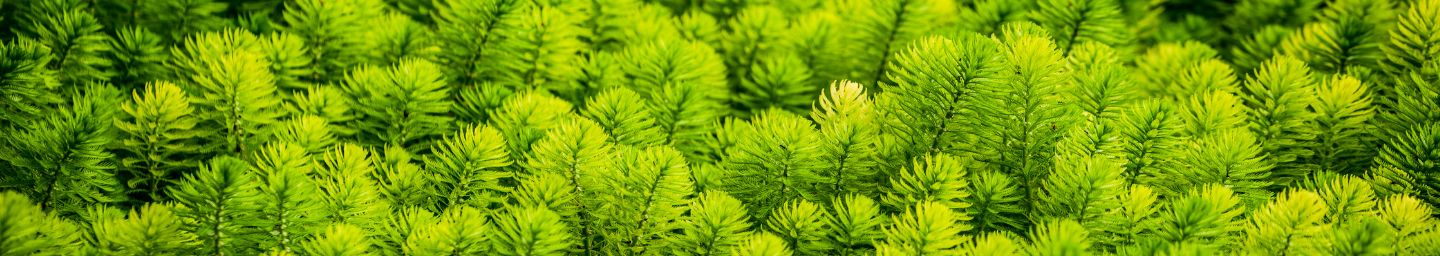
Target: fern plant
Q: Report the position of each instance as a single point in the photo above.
(401, 105)
(75, 39)
(640, 218)
(160, 132)
(332, 32)
(465, 169)
(936, 94)
(1072, 23)
(1278, 98)
(717, 223)
(222, 201)
(849, 139)
(61, 158)
(776, 165)
(28, 81)
(235, 91)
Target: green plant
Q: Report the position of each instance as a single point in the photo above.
(730, 127)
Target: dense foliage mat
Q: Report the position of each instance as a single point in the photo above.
(722, 127)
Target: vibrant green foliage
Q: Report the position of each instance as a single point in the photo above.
(721, 127)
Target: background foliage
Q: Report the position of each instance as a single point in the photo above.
(731, 127)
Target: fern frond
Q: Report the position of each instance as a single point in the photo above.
(222, 202)
(1279, 97)
(802, 225)
(290, 206)
(648, 190)
(1414, 42)
(936, 89)
(309, 132)
(530, 231)
(237, 100)
(61, 159)
(762, 243)
(543, 53)
(855, 224)
(1208, 217)
(525, 118)
(332, 32)
(330, 104)
(396, 37)
(1410, 220)
(290, 60)
(401, 105)
(1410, 154)
(717, 222)
(158, 136)
(995, 203)
(937, 178)
(1343, 125)
(348, 193)
(1061, 237)
(849, 138)
(887, 26)
(138, 57)
(27, 80)
(776, 165)
(1074, 22)
(461, 230)
(626, 121)
(470, 32)
(401, 182)
(338, 240)
(150, 229)
(466, 169)
(75, 38)
(1230, 158)
(1084, 190)
(927, 228)
(26, 229)
(1291, 224)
